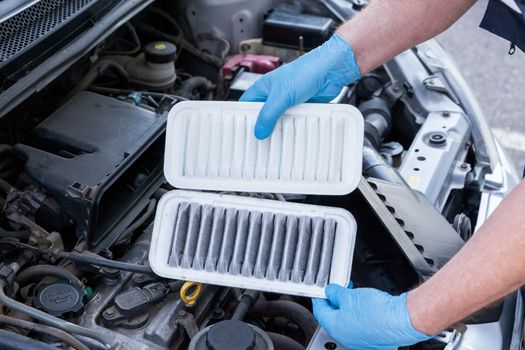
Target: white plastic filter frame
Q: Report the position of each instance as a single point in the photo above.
(165, 220)
(314, 148)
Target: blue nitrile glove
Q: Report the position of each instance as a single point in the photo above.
(366, 319)
(318, 76)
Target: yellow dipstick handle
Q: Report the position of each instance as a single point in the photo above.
(190, 299)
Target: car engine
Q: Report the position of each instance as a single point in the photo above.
(81, 173)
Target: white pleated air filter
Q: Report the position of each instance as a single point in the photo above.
(252, 243)
(314, 149)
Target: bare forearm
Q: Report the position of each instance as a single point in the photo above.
(490, 266)
(388, 27)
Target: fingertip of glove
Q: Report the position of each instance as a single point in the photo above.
(261, 133)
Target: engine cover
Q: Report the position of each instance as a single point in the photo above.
(101, 159)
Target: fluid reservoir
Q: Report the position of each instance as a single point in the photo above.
(154, 68)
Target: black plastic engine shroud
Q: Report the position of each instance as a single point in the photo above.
(101, 159)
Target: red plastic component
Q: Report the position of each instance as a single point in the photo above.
(253, 63)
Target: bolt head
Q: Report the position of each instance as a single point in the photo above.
(109, 312)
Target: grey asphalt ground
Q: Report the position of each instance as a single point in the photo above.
(497, 79)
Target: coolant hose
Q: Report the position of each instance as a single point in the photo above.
(282, 342)
(36, 272)
(22, 235)
(48, 319)
(247, 300)
(13, 341)
(288, 309)
(103, 262)
(35, 327)
(97, 71)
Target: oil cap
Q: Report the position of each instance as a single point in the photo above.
(59, 298)
(160, 52)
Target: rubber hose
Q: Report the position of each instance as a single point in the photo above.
(185, 44)
(35, 327)
(113, 91)
(13, 341)
(97, 71)
(191, 84)
(141, 220)
(22, 235)
(36, 272)
(282, 342)
(288, 309)
(246, 302)
(50, 320)
(103, 262)
(175, 286)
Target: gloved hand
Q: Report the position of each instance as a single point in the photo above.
(366, 319)
(318, 76)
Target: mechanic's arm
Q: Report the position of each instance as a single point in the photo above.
(387, 27)
(490, 266)
(384, 29)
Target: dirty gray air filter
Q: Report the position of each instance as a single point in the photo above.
(314, 149)
(252, 243)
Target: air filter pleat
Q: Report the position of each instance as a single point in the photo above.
(239, 141)
(190, 151)
(287, 153)
(324, 151)
(263, 253)
(276, 251)
(274, 156)
(303, 247)
(191, 236)
(203, 241)
(217, 235)
(227, 148)
(326, 253)
(179, 234)
(314, 255)
(250, 155)
(312, 149)
(252, 245)
(299, 149)
(228, 242)
(241, 238)
(290, 245)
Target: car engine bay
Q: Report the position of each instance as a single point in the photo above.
(81, 174)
